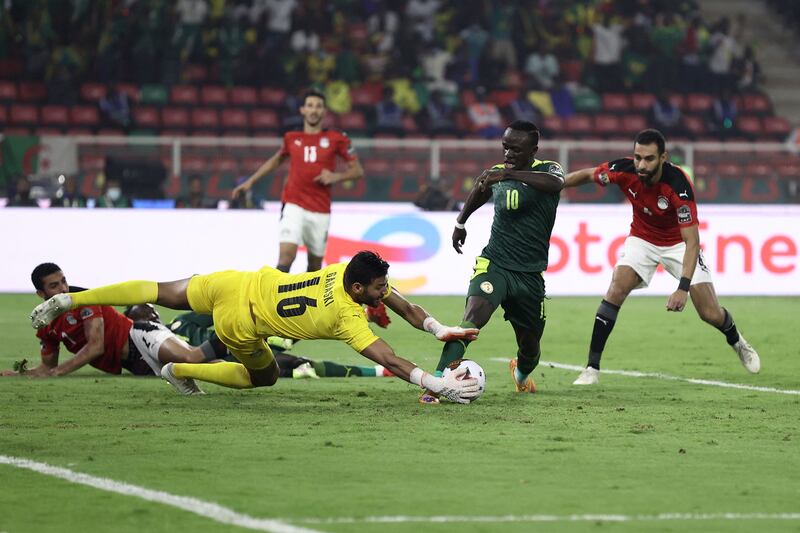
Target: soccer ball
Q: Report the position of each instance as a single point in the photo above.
(473, 369)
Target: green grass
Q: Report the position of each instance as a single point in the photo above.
(336, 448)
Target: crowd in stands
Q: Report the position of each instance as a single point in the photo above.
(392, 67)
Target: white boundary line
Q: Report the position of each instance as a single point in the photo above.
(211, 510)
(224, 515)
(668, 377)
(552, 518)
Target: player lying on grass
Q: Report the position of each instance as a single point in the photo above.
(664, 231)
(198, 329)
(102, 337)
(249, 307)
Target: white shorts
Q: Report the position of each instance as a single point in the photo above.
(148, 338)
(303, 227)
(644, 257)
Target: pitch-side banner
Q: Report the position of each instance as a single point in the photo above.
(750, 249)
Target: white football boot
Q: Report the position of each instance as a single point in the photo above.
(747, 355)
(589, 376)
(185, 386)
(50, 309)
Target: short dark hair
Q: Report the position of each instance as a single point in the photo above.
(528, 127)
(313, 92)
(652, 136)
(45, 269)
(364, 267)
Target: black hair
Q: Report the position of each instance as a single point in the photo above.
(364, 267)
(528, 127)
(652, 136)
(45, 269)
(313, 92)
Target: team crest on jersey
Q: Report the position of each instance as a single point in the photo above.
(684, 214)
(71, 320)
(604, 179)
(555, 169)
(487, 287)
(662, 203)
(86, 312)
(324, 142)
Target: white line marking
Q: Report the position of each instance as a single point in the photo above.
(658, 375)
(206, 509)
(552, 518)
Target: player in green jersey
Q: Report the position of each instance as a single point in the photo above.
(197, 329)
(525, 192)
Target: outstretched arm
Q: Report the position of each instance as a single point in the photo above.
(420, 319)
(451, 387)
(579, 177)
(269, 165)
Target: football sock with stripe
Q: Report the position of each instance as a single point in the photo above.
(453, 350)
(603, 324)
(233, 375)
(125, 293)
(728, 328)
(327, 369)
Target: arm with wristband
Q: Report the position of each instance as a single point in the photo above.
(691, 236)
(452, 387)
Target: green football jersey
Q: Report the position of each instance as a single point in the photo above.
(523, 221)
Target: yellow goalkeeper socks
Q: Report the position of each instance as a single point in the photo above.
(125, 293)
(233, 375)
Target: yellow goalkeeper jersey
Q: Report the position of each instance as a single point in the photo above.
(312, 305)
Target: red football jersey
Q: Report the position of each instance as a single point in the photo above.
(68, 328)
(309, 153)
(660, 210)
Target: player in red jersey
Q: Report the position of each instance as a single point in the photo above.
(665, 231)
(306, 197)
(104, 338)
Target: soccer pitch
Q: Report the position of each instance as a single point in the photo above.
(693, 443)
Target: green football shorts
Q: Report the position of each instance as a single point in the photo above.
(521, 294)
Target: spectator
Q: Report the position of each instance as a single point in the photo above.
(748, 71)
(723, 51)
(485, 117)
(541, 67)
(22, 194)
(388, 114)
(191, 14)
(279, 19)
(115, 108)
(723, 115)
(439, 115)
(382, 27)
(112, 195)
(502, 51)
(69, 195)
(607, 46)
(435, 61)
(421, 15)
(196, 198)
(665, 116)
